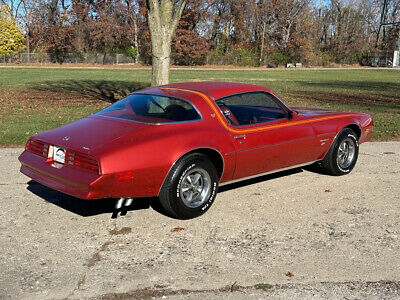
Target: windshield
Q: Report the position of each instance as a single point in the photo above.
(152, 109)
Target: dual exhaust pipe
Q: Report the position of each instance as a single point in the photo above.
(123, 202)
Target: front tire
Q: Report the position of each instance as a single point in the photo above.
(190, 187)
(342, 156)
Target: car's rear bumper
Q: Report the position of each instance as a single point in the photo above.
(70, 180)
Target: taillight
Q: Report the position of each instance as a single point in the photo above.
(81, 160)
(37, 147)
(72, 158)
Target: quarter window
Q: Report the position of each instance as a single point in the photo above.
(251, 108)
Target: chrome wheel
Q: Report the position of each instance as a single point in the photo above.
(346, 151)
(195, 187)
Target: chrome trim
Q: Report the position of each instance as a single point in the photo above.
(188, 89)
(346, 153)
(154, 94)
(280, 103)
(195, 187)
(266, 173)
(192, 150)
(156, 124)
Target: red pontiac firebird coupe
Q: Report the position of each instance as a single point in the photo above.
(179, 142)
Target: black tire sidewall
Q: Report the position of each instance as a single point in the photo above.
(346, 133)
(195, 161)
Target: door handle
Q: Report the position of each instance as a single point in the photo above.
(240, 137)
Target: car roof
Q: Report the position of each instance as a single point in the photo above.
(218, 89)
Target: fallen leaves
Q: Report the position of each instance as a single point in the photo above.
(289, 274)
(176, 229)
(123, 230)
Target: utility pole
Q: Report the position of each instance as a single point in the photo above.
(396, 57)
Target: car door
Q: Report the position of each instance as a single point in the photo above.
(265, 134)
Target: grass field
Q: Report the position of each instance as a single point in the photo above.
(38, 99)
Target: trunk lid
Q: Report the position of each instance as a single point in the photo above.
(89, 133)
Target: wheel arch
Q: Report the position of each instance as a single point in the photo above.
(215, 156)
(355, 127)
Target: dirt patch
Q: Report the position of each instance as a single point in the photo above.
(263, 286)
(388, 289)
(150, 293)
(104, 247)
(95, 258)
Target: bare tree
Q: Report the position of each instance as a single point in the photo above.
(13, 7)
(163, 18)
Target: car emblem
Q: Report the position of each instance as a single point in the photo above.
(66, 138)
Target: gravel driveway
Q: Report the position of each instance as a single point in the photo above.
(296, 234)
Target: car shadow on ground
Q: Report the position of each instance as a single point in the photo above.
(259, 179)
(87, 208)
(314, 168)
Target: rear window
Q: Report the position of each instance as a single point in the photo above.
(152, 109)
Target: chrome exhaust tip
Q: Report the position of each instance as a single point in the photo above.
(128, 201)
(119, 203)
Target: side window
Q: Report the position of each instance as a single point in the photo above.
(251, 108)
(260, 99)
(152, 109)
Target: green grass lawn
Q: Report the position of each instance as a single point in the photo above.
(38, 99)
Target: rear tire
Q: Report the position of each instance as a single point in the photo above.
(342, 155)
(190, 187)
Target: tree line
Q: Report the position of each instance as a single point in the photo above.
(252, 32)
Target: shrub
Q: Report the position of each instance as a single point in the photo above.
(131, 52)
(280, 58)
(242, 57)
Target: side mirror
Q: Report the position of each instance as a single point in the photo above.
(290, 115)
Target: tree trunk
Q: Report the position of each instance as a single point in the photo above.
(136, 41)
(262, 44)
(160, 71)
(163, 17)
(161, 60)
(28, 45)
